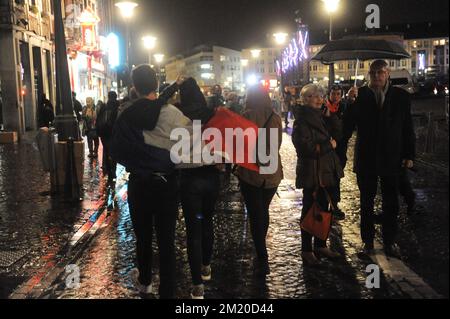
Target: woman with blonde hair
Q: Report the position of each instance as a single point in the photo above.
(258, 189)
(318, 167)
(89, 116)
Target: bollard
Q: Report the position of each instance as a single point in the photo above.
(52, 140)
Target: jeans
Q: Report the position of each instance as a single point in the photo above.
(153, 202)
(257, 200)
(308, 201)
(389, 191)
(199, 192)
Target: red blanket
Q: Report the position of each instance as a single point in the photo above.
(239, 148)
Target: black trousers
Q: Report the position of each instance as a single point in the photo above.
(257, 200)
(389, 191)
(199, 192)
(341, 152)
(108, 163)
(153, 202)
(405, 187)
(308, 201)
(93, 144)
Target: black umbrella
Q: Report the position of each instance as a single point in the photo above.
(360, 49)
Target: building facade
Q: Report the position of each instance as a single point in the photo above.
(27, 62)
(209, 65)
(429, 57)
(260, 66)
(27, 66)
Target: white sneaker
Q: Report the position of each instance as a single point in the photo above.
(198, 292)
(135, 278)
(206, 272)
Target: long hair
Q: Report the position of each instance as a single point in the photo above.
(257, 98)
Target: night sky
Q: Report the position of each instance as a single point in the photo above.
(183, 24)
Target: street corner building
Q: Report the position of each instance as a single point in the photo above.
(27, 63)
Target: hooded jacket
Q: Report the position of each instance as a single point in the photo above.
(193, 103)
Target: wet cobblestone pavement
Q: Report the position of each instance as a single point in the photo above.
(42, 227)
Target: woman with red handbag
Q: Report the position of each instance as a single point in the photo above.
(318, 171)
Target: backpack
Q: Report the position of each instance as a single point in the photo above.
(105, 120)
(128, 148)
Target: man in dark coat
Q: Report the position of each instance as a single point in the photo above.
(385, 143)
(106, 117)
(77, 107)
(46, 113)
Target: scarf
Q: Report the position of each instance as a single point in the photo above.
(380, 95)
(333, 107)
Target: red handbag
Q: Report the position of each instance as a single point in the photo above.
(317, 221)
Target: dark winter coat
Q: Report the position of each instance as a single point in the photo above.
(309, 132)
(47, 114)
(385, 136)
(341, 149)
(105, 130)
(78, 109)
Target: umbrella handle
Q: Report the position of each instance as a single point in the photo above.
(356, 72)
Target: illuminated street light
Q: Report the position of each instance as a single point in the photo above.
(158, 57)
(280, 37)
(149, 42)
(255, 53)
(126, 8)
(331, 6)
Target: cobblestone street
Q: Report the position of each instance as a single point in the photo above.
(102, 245)
(40, 235)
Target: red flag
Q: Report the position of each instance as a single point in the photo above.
(241, 148)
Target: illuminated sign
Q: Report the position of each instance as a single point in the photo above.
(295, 53)
(88, 20)
(421, 58)
(112, 41)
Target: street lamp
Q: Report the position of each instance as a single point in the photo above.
(159, 59)
(149, 44)
(331, 6)
(255, 53)
(280, 37)
(126, 10)
(66, 123)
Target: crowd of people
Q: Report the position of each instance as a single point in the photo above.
(137, 133)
